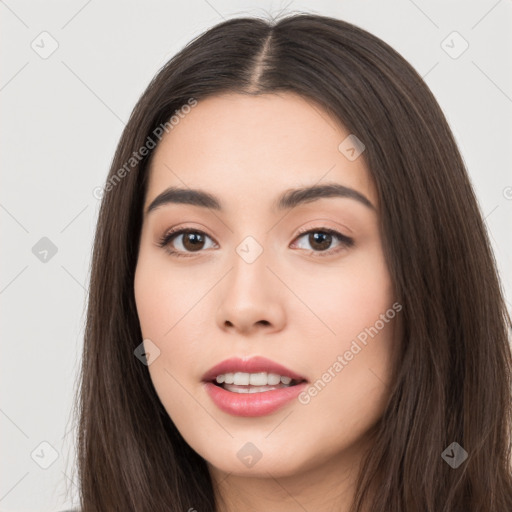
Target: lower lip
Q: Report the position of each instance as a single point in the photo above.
(252, 404)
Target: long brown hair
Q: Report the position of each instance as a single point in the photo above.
(452, 381)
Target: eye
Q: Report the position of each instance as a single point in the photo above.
(192, 240)
(321, 240)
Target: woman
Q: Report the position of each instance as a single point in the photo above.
(293, 300)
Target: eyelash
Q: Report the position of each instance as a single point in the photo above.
(345, 241)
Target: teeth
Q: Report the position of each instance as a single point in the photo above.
(273, 379)
(252, 389)
(241, 379)
(254, 379)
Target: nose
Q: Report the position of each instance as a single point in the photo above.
(251, 298)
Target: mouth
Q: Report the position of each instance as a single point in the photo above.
(241, 382)
(254, 375)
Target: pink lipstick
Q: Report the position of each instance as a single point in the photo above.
(252, 387)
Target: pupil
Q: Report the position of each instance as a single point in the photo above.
(323, 239)
(195, 239)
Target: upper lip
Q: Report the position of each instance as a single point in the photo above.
(252, 365)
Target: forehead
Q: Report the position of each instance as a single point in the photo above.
(248, 149)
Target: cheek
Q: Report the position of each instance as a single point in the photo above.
(349, 297)
(171, 306)
(165, 302)
(162, 297)
(355, 305)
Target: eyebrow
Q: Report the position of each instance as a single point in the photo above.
(286, 201)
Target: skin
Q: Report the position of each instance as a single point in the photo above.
(290, 305)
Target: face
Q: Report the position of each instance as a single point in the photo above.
(303, 284)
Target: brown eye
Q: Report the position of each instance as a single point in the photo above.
(184, 241)
(320, 241)
(193, 241)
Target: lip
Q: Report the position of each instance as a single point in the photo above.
(252, 365)
(251, 404)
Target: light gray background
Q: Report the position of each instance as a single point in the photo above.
(62, 118)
